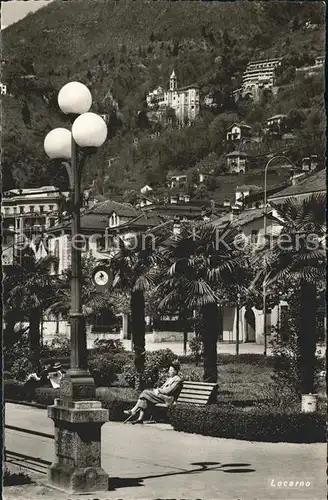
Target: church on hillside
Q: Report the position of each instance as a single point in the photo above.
(184, 100)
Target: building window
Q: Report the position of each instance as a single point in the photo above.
(41, 209)
(51, 207)
(101, 244)
(21, 210)
(114, 220)
(254, 236)
(31, 208)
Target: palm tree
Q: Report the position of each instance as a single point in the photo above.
(199, 267)
(29, 289)
(298, 257)
(133, 270)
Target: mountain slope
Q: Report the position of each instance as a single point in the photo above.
(123, 49)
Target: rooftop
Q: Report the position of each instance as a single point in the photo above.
(108, 207)
(89, 222)
(314, 183)
(250, 187)
(186, 87)
(237, 153)
(276, 117)
(241, 125)
(242, 219)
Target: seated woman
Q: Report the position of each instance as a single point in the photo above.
(164, 394)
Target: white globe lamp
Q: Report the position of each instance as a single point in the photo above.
(58, 143)
(89, 130)
(74, 98)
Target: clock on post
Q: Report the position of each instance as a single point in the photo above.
(102, 277)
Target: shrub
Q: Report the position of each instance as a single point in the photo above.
(15, 479)
(108, 345)
(286, 357)
(14, 389)
(196, 347)
(105, 366)
(253, 425)
(116, 400)
(16, 359)
(156, 362)
(46, 395)
(58, 347)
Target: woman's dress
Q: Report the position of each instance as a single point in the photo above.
(166, 397)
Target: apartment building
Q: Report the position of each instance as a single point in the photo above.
(31, 211)
(260, 73)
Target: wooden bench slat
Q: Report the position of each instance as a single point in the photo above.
(196, 396)
(193, 394)
(198, 384)
(202, 400)
(196, 391)
(191, 400)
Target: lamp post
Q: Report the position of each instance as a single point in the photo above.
(265, 214)
(77, 416)
(237, 324)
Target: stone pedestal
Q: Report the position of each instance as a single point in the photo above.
(77, 466)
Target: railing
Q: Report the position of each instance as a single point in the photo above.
(26, 431)
(29, 431)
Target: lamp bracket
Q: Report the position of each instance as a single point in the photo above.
(69, 172)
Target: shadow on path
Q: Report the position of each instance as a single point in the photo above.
(120, 482)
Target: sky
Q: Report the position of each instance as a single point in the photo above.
(13, 11)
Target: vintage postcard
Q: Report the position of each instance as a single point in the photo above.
(163, 249)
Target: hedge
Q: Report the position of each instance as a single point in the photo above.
(256, 424)
(14, 390)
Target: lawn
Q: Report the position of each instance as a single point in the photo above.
(241, 384)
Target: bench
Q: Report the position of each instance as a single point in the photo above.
(195, 393)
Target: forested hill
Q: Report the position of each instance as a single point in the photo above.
(121, 50)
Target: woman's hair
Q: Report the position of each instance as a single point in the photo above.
(175, 365)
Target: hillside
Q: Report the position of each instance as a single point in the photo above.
(121, 50)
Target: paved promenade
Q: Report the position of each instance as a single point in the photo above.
(222, 347)
(154, 461)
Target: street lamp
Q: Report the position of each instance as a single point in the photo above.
(77, 416)
(265, 213)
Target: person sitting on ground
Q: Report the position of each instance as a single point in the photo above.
(164, 394)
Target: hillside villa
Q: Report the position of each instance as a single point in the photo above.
(237, 161)
(183, 100)
(238, 131)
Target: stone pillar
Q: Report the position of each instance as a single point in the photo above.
(77, 466)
